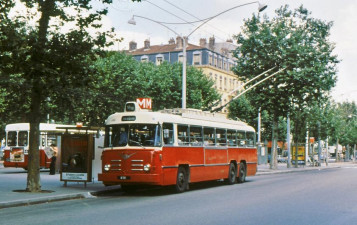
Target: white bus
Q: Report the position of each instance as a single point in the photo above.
(17, 143)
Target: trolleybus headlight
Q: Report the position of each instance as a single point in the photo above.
(107, 167)
(147, 167)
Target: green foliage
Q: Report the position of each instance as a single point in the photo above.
(119, 78)
(293, 41)
(44, 68)
(343, 123)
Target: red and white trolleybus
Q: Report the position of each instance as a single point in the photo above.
(175, 147)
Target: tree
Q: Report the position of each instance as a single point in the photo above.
(119, 78)
(293, 41)
(40, 62)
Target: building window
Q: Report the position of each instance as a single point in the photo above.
(180, 58)
(219, 60)
(215, 81)
(159, 59)
(197, 58)
(220, 82)
(225, 84)
(144, 58)
(210, 59)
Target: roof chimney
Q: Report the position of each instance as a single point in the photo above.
(179, 42)
(211, 43)
(132, 45)
(171, 41)
(203, 42)
(147, 44)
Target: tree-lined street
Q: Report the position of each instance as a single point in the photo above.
(311, 197)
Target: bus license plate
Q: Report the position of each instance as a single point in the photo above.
(123, 177)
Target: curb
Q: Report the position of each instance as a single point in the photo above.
(27, 202)
(41, 200)
(277, 171)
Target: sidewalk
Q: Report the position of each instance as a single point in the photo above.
(13, 184)
(264, 169)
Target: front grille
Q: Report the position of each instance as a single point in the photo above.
(135, 165)
(115, 164)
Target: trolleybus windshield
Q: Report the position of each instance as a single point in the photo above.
(133, 135)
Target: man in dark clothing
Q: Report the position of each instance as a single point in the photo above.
(53, 160)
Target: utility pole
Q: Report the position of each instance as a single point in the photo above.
(288, 140)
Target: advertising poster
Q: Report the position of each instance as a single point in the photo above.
(76, 157)
(17, 155)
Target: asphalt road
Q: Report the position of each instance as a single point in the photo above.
(312, 197)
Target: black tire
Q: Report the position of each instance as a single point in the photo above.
(181, 180)
(242, 173)
(232, 174)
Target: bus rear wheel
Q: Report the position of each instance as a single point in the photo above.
(181, 180)
(232, 174)
(242, 173)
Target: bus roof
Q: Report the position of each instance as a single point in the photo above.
(179, 116)
(43, 127)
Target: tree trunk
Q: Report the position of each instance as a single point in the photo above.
(273, 157)
(33, 175)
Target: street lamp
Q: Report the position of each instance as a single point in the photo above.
(132, 21)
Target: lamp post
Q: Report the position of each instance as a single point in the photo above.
(132, 21)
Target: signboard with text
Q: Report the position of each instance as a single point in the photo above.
(144, 103)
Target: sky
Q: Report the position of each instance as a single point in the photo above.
(342, 13)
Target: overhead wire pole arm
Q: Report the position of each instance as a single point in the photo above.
(219, 108)
(261, 8)
(242, 86)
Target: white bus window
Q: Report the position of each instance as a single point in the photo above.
(51, 139)
(23, 138)
(182, 135)
(168, 129)
(209, 136)
(11, 138)
(221, 137)
(196, 136)
(250, 139)
(241, 138)
(232, 137)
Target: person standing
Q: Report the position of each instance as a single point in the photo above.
(53, 159)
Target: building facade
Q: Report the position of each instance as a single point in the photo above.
(215, 60)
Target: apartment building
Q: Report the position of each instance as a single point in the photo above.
(215, 60)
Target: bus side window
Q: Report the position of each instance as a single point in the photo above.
(232, 138)
(250, 139)
(182, 134)
(209, 135)
(241, 138)
(168, 133)
(196, 136)
(221, 137)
